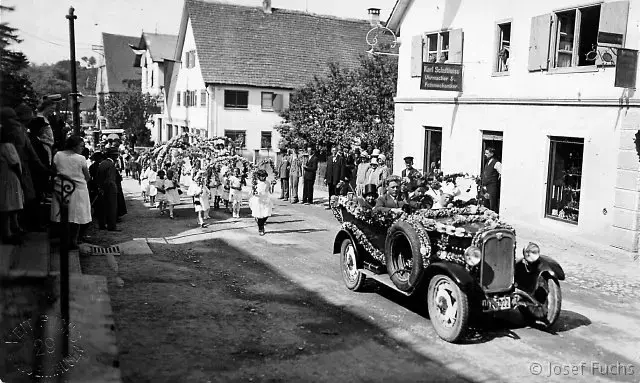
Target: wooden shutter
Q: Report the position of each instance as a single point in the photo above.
(278, 102)
(455, 46)
(539, 42)
(186, 60)
(613, 19)
(416, 56)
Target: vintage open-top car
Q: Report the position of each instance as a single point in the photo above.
(465, 259)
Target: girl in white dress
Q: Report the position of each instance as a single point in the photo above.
(214, 188)
(171, 188)
(153, 177)
(162, 193)
(187, 169)
(260, 203)
(200, 192)
(144, 184)
(235, 193)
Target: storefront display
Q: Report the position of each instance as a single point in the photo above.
(565, 176)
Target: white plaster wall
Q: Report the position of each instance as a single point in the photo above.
(189, 79)
(253, 119)
(477, 19)
(525, 155)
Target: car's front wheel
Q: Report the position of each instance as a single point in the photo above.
(353, 277)
(549, 295)
(448, 308)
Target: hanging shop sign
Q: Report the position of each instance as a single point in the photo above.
(436, 76)
(626, 68)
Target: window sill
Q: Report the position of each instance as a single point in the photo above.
(268, 110)
(236, 108)
(500, 74)
(575, 69)
(560, 219)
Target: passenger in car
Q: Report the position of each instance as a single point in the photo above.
(392, 200)
(369, 196)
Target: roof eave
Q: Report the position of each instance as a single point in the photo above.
(397, 15)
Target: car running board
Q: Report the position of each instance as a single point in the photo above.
(384, 279)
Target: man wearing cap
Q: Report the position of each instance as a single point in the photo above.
(106, 181)
(410, 174)
(309, 176)
(335, 171)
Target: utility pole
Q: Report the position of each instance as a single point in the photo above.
(74, 86)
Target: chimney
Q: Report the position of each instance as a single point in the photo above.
(374, 16)
(266, 6)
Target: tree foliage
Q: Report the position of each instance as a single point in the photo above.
(16, 86)
(344, 107)
(131, 111)
(56, 78)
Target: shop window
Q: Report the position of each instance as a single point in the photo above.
(432, 150)
(267, 100)
(237, 136)
(236, 99)
(503, 48)
(565, 178)
(265, 140)
(576, 35)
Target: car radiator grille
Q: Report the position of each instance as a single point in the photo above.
(497, 261)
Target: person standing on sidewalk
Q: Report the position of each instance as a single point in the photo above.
(490, 178)
(106, 181)
(335, 171)
(309, 177)
(295, 172)
(283, 172)
(260, 203)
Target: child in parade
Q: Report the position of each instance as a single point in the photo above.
(214, 188)
(162, 193)
(225, 185)
(200, 192)
(152, 191)
(260, 203)
(235, 192)
(144, 184)
(171, 188)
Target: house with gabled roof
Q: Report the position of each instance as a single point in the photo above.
(236, 66)
(115, 72)
(152, 54)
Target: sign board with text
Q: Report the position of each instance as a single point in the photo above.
(626, 68)
(436, 76)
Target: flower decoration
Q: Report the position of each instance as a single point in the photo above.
(261, 165)
(364, 242)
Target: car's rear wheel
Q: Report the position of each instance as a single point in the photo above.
(549, 295)
(448, 308)
(353, 277)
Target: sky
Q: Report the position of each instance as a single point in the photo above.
(44, 28)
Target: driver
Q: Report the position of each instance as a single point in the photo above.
(392, 200)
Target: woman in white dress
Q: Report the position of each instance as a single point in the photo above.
(73, 166)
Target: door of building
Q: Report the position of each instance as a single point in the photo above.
(432, 150)
(492, 139)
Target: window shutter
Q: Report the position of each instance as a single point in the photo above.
(416, 56)
(186, 60)
(539, 42)
(455, 46)
(613, 19)
(278, 102)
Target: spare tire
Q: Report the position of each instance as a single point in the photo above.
(402, 253)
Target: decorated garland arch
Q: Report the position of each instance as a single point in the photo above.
(266, 164)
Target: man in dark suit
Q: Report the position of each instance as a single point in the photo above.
(309, 177)
(106, 181)
(392, 199)
(335, 171)
(410, 174)
(491, 174)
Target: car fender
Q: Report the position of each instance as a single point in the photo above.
(548, 265)
(456, 272)
(340, 237)
(527, 276)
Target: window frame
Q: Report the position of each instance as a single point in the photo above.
(428, 139)
(262, 136)
(553, 141)
(273, 97)
(498, 46)
(235, 105)
(439, 38)
(577, 27)
(203, 97)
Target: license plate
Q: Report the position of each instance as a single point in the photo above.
(496, 304)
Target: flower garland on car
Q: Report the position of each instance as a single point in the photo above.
(423, 237)
(369, 216)
(364, 241)
(262, 164)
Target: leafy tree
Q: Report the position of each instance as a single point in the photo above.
(344, 106)
(131, 111)
(16, 86)
(56, 78)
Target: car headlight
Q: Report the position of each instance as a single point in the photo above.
(472, 255)
(531, 252)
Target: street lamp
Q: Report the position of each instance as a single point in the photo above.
(74, 86)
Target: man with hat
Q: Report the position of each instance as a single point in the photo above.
(106, 181)
(410, 174)
(335, 172)
(309, 176)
